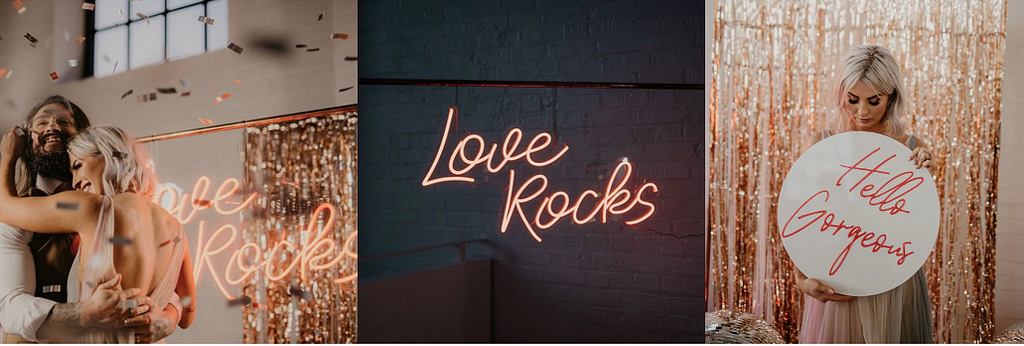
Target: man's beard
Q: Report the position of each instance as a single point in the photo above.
(55, 165)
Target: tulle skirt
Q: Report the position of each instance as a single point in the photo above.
(900, 315)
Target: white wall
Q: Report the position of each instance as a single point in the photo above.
(300, 81)
(1009, 299)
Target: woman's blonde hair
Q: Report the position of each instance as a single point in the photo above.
(123, 170)
(876, 67)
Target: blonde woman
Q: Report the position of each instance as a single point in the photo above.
(122, 233)
(869, 96)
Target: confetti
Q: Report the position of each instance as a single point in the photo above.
(121, 155)
(240, 301)
(205, 19)
(73, 63)
(185, 83)
(186, 94)
(295, 185)
(296, 292)
(152, 96)
(126, 93)
(346, 89)
(106, 58)
(96, 262)
(80, 39)
(316, 332)
(313, 49)
(120, 11)
(88, 6)
(120, 241)
(238, 82)
(126, 304)
(301, 46)
(351, 58)
(337, 36)
(202, 202)
(51, 288)
(318, 18)
(17, 5)
(234, 47)
(6, 73)
(142, 98)
(19, 132)
(222, 97)
(53, 76)
(206, 121)
(115, 67)
(167, 90)
(31, 39)
(140, 15)
(186, 301)
(258, 306)
(177, 239)
(67, 206)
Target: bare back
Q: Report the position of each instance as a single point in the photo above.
(145, 234)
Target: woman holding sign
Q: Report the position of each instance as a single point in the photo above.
(869, 96)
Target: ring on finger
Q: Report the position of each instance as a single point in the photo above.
(126, 323)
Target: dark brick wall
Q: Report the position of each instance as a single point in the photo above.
(595, 282)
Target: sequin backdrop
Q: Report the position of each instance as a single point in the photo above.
(773, 65)
(297, 166)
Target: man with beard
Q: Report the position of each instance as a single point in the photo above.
(35, 267)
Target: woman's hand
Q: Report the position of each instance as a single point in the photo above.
(11, 146)
(923, 158)
(104, 308)
(819, 291)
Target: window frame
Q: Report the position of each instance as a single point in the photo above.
(88, 69)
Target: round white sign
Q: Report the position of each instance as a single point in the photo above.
(857, 214)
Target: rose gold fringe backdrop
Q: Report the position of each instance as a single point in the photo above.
(772, 70)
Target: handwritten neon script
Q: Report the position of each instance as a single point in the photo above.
(616, 199)
(888, 198)
(313, 255)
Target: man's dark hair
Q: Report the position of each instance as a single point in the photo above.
(81, 120)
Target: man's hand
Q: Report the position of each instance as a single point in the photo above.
(155, 324)
(104, 308)
(11, 145)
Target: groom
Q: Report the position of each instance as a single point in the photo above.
(35, 267)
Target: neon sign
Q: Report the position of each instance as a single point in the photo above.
(313, 255)
(615, 200)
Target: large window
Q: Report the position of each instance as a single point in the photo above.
(127, 35)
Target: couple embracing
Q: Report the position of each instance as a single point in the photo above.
(85, 256)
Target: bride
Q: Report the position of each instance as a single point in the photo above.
(123, 233)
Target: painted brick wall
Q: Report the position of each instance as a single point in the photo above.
(595, 282)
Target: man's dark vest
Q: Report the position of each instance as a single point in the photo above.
(53, 258)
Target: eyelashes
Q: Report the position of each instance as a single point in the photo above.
(853, 102)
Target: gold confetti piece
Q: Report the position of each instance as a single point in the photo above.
(184, 82)
(167, 90)
(126, 93)
(19, 132)
(205, 19)
(296, 292)
(120, 155)
(120, 241)
(313, 49)
(186, 301)
(152, 96)
(73, 63)
(186, 93)
(142, 98)
(234, 47)
(19, 6)
(88, 6)
(301, 46)
(351, 58)
(339, 36)
(320, 17)
(295, 185)
(6, 73)
(222, 97)
(238, 82)
(80, 39)
(240, 301)
(120, 11)
(140, 15)
(67, 206)
(346, 89)
(53, 76)
(202, 202)
(51, 288)
(206, 121)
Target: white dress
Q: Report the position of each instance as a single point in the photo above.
(102, 270)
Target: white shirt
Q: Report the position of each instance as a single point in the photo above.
(21, 312)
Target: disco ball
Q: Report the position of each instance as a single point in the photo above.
(1012, 335)
(735, 327)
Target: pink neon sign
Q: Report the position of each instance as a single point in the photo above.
(615, 200)
(313, 255)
